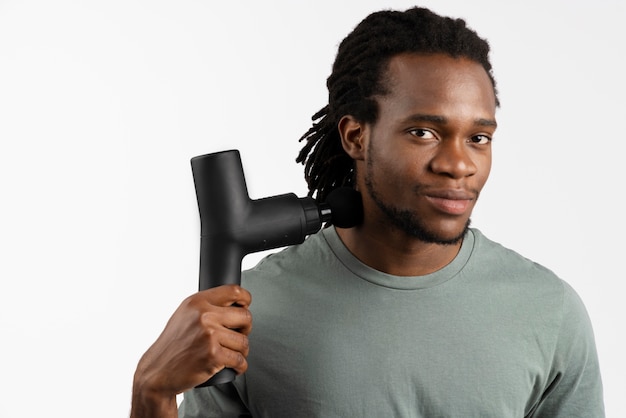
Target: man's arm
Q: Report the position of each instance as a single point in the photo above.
(145, 404)
(204, 335)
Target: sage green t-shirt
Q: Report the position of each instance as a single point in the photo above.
(492, 334)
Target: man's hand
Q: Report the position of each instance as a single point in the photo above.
(204, 335)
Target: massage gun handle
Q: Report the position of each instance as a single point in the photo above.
(221, 192)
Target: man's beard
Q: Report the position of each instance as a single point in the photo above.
(406, 220)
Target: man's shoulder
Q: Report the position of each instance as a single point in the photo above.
(497, 259)
(313, 253)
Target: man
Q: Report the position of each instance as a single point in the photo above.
(412, 313)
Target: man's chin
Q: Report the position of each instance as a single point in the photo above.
(411, 225)
(450, 239)
(440, 238)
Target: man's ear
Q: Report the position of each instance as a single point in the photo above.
(352, 134)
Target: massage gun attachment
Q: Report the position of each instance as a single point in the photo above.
(233, 225)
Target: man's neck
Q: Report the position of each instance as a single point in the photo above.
(395, 253)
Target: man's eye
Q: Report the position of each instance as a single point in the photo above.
(480, 139)
(422, 133)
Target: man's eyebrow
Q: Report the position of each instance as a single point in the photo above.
(486, 122)
(421, 117)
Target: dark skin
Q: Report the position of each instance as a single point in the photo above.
(203, 336)
(428, 155)
(425, 160)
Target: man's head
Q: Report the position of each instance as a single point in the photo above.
(422, 165)
(358, 81)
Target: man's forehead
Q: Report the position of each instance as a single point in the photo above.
(428, 71)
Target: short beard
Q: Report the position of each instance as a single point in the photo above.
(406, 220)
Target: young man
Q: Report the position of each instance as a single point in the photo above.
(412, 313)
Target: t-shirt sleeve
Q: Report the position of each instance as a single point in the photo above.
(575, 386)
(216, 401)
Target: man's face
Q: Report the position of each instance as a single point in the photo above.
(428, 156)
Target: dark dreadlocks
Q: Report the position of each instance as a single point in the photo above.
(357, 78)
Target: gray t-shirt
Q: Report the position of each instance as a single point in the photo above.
(491, 334)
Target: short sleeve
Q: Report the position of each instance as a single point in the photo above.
(575, 385)
(216, 401)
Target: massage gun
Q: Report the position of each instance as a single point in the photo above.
(233, 225)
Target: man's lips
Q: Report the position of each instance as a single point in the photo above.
(452, 202)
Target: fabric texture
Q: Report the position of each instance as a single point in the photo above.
(491, 334)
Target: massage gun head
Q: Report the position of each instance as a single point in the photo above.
(343, 208)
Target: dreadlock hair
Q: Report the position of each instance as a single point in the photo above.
(357, 78)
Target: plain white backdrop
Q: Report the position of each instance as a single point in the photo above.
(103, 103)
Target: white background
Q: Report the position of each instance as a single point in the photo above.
(103, 103)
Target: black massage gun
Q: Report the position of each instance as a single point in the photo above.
(233, 225)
